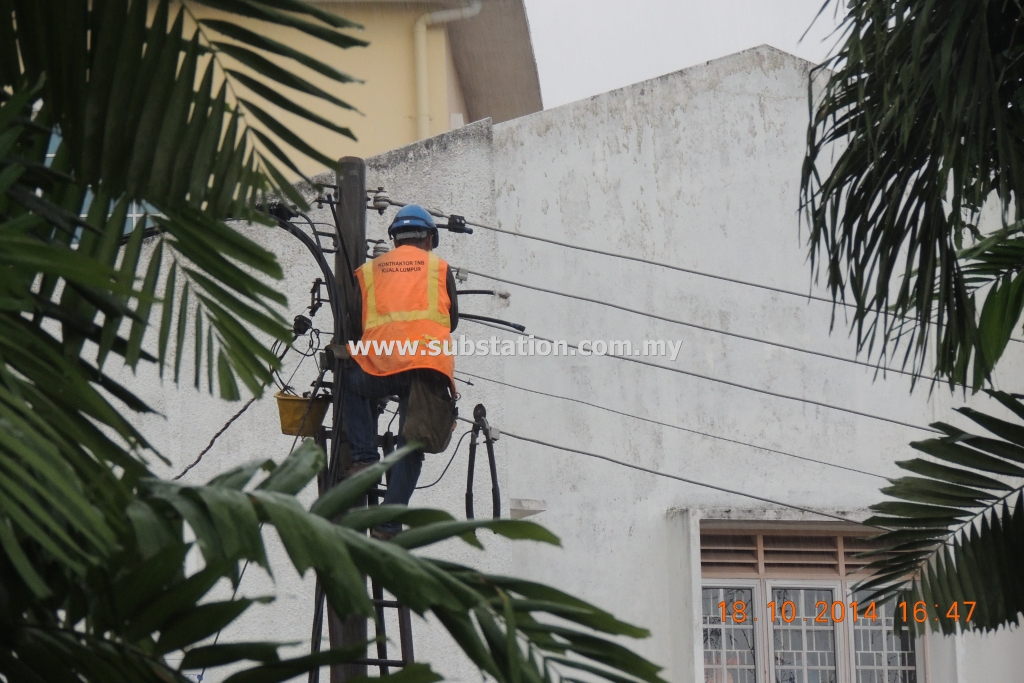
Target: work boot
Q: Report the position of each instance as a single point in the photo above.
(356, 467)
(382, 535)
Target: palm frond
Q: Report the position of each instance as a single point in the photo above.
(917, 127)
(142, 110)
(958, 534)
(148, 607)
(145, 123)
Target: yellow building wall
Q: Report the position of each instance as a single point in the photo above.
(385, 100)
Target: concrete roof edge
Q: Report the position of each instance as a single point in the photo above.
(482, 129)
(736, 58)
(476, 130)
(714, 516)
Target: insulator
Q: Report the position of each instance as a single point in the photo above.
(381, 200)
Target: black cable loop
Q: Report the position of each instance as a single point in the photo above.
(450, 460)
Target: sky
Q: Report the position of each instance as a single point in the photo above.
(587, 47)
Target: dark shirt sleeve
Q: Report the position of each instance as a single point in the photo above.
(453, 296)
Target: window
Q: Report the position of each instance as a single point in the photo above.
(778, 607)
(138, 212)
(728, 646)
(881, 655)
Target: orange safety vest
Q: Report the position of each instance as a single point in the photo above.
(405, 299)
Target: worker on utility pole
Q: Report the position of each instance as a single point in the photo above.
(409, 309)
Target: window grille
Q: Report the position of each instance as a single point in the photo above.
(796, 569)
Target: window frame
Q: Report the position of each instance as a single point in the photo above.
(920, 643)
(841, 647)
(760, 646)
(764, 650)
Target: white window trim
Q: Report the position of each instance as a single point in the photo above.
(842, 647)
(761, 653)
(764, 654)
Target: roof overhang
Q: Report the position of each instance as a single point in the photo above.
(493, 56)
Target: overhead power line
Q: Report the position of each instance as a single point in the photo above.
(214, 439)
(684, 323)
(672, 426)
(660, 264)
(676, 477)
(568, 245)
(737, 385)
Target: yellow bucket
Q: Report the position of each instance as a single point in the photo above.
(299, 412)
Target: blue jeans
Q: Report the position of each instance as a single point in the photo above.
(361, 389)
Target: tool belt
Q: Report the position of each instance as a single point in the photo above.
(430, 418)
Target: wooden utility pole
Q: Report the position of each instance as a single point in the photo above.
(351, 232)
(349, 204)
(351, 253)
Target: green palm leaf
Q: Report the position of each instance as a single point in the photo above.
(94, 586)
(919, 106)
(966, 541)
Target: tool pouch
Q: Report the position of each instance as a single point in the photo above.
(432, 411)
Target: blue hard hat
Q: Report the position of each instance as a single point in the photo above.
(412, 216)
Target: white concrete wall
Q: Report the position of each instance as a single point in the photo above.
(698, 168)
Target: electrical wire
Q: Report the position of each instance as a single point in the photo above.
(238, 585)
(275, 373)
(214, 439)
(245, 566)
(303, 357)
(577, 247)
(736, 385)
(273, 349)
(689, 324)
(637, 259)
(309, 406)
(314, 343)
(672, 426)
(450, 460)
(676, 477)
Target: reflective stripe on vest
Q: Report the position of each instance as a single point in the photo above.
(374, 318)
